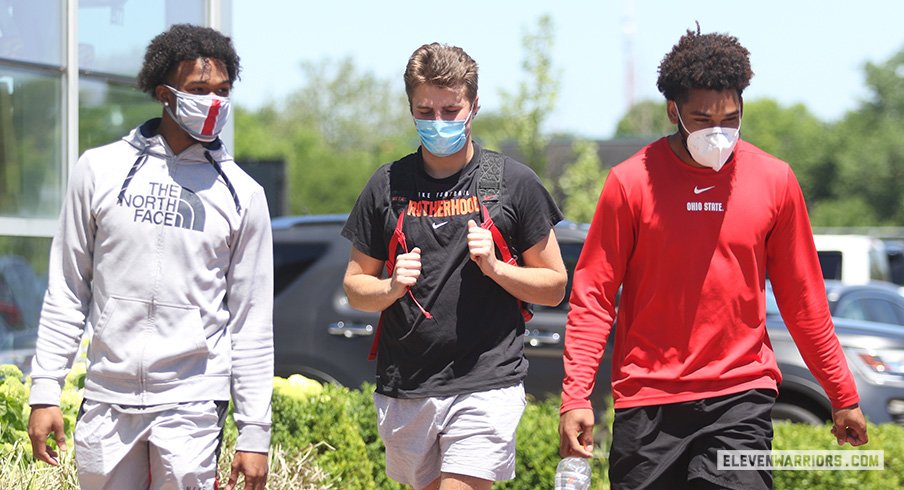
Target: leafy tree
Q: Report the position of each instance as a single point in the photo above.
(108, 112)
(535, 98)
(869, 151)
(796, 136)
(29, 148)
(333, 132)
(850, 212)
(644, 119)
(582, 181)
(342, 124)
(488, 129)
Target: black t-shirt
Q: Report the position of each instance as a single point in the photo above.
(474, 340)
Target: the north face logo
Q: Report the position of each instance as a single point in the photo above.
(168, 205)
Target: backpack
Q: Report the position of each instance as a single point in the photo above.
(489, 193)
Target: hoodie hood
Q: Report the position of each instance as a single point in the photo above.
(147, 140)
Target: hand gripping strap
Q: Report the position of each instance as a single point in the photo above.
(397, 240)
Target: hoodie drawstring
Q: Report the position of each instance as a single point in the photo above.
(143, 157)
(216, 165)
(139, 162)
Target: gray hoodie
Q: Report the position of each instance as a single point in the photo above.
(168, 259)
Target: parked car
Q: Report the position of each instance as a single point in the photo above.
(21, 294)
(876, 301)
(853, 259)
(874, 352)
(319, 335)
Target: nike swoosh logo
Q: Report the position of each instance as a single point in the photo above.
(437, 225)
(699, 190)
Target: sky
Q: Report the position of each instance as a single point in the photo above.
(605, 52)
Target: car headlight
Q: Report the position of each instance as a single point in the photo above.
(883, 361)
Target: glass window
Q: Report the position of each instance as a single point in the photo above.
(108, 111)
(879, 310)
(830, 262)
(23, 280)
(32, 30)
(113, 34)
(31, 147)
(851, 309)
(291, 260)
(869, 309)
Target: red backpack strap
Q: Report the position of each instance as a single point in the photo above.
(498, 239)
(397, 240)
(375, 344)
(504, 253)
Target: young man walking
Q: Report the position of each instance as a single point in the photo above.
(164, 250)
(450, 358)
(689, 227)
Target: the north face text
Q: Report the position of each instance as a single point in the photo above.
(168, 205)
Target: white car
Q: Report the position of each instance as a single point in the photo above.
(852, 259)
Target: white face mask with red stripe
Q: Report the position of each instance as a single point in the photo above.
(201, 116)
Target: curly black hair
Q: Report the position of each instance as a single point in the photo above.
(708, 61)
(185, 42)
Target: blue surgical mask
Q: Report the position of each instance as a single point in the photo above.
(442, 138)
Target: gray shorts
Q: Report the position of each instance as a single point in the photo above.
(158, 447)
(472, 435)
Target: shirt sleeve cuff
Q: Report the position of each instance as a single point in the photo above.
(253, 438)
(45, 391)
(845, 402)
(574, 404)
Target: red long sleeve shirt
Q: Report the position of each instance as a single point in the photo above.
(690, 248)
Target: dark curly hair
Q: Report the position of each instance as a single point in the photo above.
(707, 61)
(185, 42)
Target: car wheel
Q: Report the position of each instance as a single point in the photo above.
(784, 412)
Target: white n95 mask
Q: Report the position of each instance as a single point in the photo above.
(711, 147)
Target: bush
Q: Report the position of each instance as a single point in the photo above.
(293, 467)
(887, 437)
(326, 437)
(364, 413)
(13, 408)
(326, 421)
(537, 450)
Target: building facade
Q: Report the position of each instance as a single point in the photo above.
(67, 83)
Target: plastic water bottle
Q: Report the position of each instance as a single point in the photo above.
(573, 474)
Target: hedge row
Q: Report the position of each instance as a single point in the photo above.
(326, 437)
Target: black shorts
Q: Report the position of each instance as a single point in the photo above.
(674, 446)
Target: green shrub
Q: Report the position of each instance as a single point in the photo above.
(364, 413)
(13, 408)
(887, 437)
(537, 449)
(326, 421)
(326, 437)
(289, 469)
